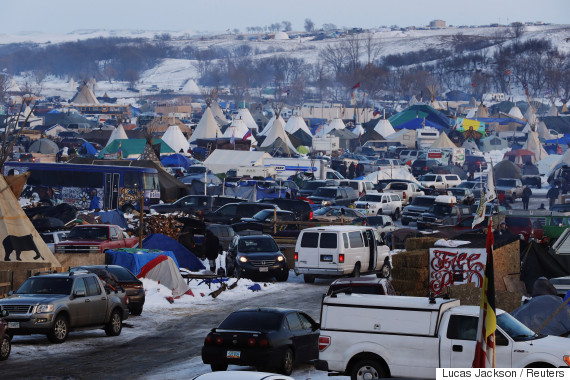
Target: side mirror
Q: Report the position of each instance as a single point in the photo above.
(11, 292)
(79, 293)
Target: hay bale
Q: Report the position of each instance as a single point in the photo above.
(411, 274)
(417, 259)
(413, 244)
(468, 294)
(409, 288)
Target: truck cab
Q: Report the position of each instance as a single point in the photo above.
(444, 212)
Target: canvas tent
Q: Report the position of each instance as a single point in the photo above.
(443, 142)
(534, 145)
(277, 139)
(405, 137)
(238, 130)
(18, 232)
(207, 128)
(43, 146)
(165, 271)
(218, 113)
(507, 169)
(296, 123)
(117, 134)
(335, 123)
(185, 258)
(245, 115)
(516, 112)
(492, 143)
(175, 139)
(84, 96)
(221, 160)
(270, 125)
(384, 128)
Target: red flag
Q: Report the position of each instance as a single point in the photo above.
(484, 350)
(248, 134)
(356, 86)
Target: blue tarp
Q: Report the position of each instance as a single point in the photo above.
(134, 258)
(89, 149)
(565, 139)
(113, 217)
(176, 160)
(500, 120)
(186, 258)
(418, 123)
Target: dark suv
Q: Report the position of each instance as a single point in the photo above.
(233, 212)
(256, 255)
(300, 208)
(443, 214)
(334, 195)
(421, 166)
(414, 210)
(310, 187)
(193, 203)
(474, 164)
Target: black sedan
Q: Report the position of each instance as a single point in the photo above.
(266, 338)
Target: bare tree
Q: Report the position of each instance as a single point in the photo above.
(131, 76)
(353, 46)
(517, 29)
(4, 85)
(287, 27)
(309, 25)
(335, 56)
(371, 47)
(329, 27)
(13, 130)
(110, 73)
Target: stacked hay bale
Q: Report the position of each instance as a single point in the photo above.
(410, 273)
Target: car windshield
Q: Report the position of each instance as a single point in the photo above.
(398, 186)
(312, 185)
(440, 209)
(257, 245)
(428, 178)
(252, 321)
(514, 328)
(264, 214)
(374, 221)
(419, 201)
(190, 201)
(90, 233)
(372, 198)
(322, 211)
(457, 191)
(507, 182)
(325, 192)
(46, 285)
(196, 170)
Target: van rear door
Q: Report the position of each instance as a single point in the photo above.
(328, 250)
(308, 254)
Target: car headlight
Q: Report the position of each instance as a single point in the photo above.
(439, 220)
(44, 308)
(325, 203)
(243, 259)
(280, 258)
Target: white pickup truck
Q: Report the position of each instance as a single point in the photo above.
(407, 191)
(380, 204)
(370, 336)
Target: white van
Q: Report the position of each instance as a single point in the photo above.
(334, 251)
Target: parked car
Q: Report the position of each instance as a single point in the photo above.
(560, 207)
(191, 204)
(339, 196)
(382, 223)
(54, 304)
(241, 375)
(362, 285)
(524, 227)
(256, 255)
(262, 337)
(440, 181)
(419, 205)
(300, 208)
(562, 285)
(258, 221)
(531, 176)
(26, 157)
(310, 187)
(361, 187)
(380, 203)
(407, 191)
(407, 157)
(126, 279)
(444, 212)
(464, 196)
(233, 212)
(333, 214)
(474, 164)
(224, 233)
(423, 166)
(5, 340)
(54, 237)
(512, 188)
(474, 186)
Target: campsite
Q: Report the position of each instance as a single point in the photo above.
(303, 200)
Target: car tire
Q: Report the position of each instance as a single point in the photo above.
(218, 367)
(386, 271)
(367, 369)
(5, 348)
(356, 271)
(309, 278)
(282, 276)
(397, 214)
(287, 362)
(59, 330)
(136, 310)
(115, 324)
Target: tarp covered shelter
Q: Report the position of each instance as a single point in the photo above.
(414, 124)
(185, 258)
(164, 270)
(176, 160)
(133, 148)
(134, 259)
(520, 156)
(538, 311)
(420, 111)
(221, 160)
(507, 169)
(113, 217)
(18, 233)
(538, 261)
(43, 146)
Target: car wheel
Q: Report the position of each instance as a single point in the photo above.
(356, 271)
(397, 214)
(287, 362)
(136, 310)
(115, 324)
(309, 278)
(218, 367)
(386, 271)
(405, 222)
(59, 330)
(282, 276)
(5, 348)
(367, 369)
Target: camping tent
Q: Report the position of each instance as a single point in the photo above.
(44, 146)
(175, 139)
(117, 134)
(520, 156)
(516, 112)
(296, 123)
(277, 139)
(405, 137)
(176, 160)
(492, 143)
(443, 142)
(245, 115)
(335, 123)
(506, 169)
(534, 145)
(164, 270)
(185, 258)
(207, 128)
(17, 232)
(384, 128)
(238, 129)
(269, 125)
(134, 259)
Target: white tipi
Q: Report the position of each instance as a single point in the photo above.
(384, 128)
(238, 129)
(118, 133)
(533, 144)
(335, 123)
(245, 115)
(277, 139)
(270, 124)
(295, 123)
(207, 128)
(516, 112)
(175, 139)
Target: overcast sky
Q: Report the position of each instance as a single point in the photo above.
(63, 16)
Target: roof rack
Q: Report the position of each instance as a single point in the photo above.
(45, 272)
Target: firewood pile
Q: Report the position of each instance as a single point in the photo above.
(156, 224)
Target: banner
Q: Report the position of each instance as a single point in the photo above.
(455, 266)
(463, 125)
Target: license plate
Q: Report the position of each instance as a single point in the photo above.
(264, 269)
(233, 354)
(13, 325)
(428, 224)
(326, 258)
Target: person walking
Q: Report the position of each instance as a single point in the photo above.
(351, 170)
(552, 194)
(526, 193)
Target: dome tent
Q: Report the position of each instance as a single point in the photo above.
(43, 146)
(506, 169)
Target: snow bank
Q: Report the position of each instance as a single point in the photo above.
(546, 165)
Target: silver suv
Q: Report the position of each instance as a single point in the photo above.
(54, 304)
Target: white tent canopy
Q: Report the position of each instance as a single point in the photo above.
(384, 128)
(516, 112)
(533, 144)
(238, 129)
(358, 130)
(295, 123)
(118, 133)
(218, 113)
(220, 161)
(270, 124)
(277, 139)
(175, 139)
(443, 142)
(335, 123)
(207, 128)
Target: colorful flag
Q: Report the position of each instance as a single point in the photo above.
(485, 347)
(120, 152)
(247, 135)
(356, 86)
(376, 111)
(488, 194)
(233, 139)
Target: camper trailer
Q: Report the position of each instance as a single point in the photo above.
(425, 137)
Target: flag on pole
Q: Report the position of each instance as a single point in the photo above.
(120, 152)
(485, 347)
(376, 111)
(356, 86)
(247, 135)
(488, 194)
(233, 139)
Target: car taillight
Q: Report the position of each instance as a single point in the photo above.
(251, 342)
(311, 215)
(425, 167)
(404, 196)
(324, 342)
(219, 340)
(208, 339)
(137, 287)
(341, 257)
(126, 300)
(296, 256)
